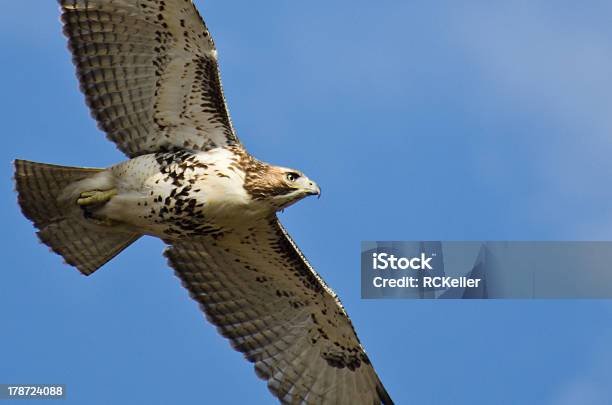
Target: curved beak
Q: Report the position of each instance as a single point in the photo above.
(316, 191)
(310, 187)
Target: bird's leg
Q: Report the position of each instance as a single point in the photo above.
(96, 197)
(90, 200)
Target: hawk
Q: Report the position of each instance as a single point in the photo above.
(149, 72)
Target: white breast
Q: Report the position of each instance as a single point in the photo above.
(222, 186)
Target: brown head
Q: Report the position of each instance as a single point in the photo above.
(279, 186)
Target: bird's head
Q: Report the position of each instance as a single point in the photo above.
(279, 186)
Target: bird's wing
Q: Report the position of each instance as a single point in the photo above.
(149, 72)
(261, 293)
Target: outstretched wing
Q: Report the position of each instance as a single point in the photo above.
(262, 294)
(149, 72)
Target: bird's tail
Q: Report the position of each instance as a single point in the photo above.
(84, 246)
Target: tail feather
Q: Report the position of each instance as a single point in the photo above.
(83, 245)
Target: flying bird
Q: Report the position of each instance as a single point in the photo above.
(149, 72)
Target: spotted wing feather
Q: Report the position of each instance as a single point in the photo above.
(149, 72)
(262, 294)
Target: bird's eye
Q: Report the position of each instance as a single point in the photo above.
(292, 176)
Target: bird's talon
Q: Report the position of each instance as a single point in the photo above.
(95, 197)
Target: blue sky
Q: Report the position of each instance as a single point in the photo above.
(420, 121)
